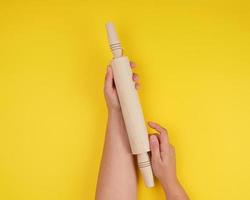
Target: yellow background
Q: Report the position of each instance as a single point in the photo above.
(193, 58)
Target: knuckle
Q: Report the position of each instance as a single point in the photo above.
(165, 130)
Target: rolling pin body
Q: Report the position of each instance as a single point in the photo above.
(130, 106)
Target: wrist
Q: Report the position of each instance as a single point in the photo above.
(114, 112)
(115, 115)
(115, 119)
(174, 190)
(171, 184)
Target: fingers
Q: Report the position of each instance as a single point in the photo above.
(163, 137)
(135, 76)
(108, 78)
(154, 146)
(132, 64)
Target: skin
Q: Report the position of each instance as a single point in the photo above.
(164, 165)
(117, 175)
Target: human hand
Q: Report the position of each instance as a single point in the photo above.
(163, 155)
(110, 92)
(163, 163)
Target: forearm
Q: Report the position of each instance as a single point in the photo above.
(117, 176)
(174, 190)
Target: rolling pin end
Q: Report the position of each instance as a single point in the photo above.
(144, 165)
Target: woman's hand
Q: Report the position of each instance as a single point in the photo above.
(163, 163)
(163, 155)
(110, 92)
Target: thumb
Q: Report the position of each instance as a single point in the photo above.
(109, 78)
(155, 148)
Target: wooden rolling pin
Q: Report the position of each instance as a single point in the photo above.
(130, 106)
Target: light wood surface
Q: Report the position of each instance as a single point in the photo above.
(131, 108)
